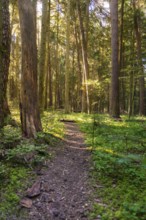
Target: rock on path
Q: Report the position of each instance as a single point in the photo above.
(65, 191)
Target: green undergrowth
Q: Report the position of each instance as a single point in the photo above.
(119, 165)
(12, 186)
(20, 157)
(119, 160)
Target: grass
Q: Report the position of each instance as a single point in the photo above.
(19, 158)
(118, 155)
(119, 165)
(119, 160)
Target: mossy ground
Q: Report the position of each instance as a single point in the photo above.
(119, 165)
(19, 157)
(119, 161)
(118, 155)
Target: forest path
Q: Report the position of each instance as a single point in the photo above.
(65, 189)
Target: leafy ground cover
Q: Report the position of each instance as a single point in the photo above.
(19, 158)
(118, 155)
(119, 165)
(119, 160)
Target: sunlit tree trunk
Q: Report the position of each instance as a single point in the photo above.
(4, 58)
(15, 64)
(42, 60)
(131, 79)
(85, 62)
(67, 68)
(114, 98)
(121, 56)
(30, 116)
(48, 81)
(79, 70)
(35, 11)
(139, 55)
(49, 62)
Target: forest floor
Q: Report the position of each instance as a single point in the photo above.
(57, 176)
(63, 190)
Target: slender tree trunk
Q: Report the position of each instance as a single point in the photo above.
(79, 75)
(49, 63)
(57, 60)
(42, 69)
(67, 69)
(30, 116)
(48, 81)
(121, 57)
(35, 11)
(85, 58)
(15, 64)
(131, 94)
(114, 98)
(4, 58)
(139, 55)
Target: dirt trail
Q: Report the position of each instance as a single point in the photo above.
(65, 191)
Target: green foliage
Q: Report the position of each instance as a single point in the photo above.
(119, 152)
(28, 153)
(10, 191)
(52, 125)
(10, 136)
(3, 171)
(19, 157)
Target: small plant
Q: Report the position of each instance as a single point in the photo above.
(10, 136)
(28, 153)
(119, 152)
(16, 182)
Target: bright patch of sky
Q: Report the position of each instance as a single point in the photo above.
(99, 4)
(106, 5)
(39, 8)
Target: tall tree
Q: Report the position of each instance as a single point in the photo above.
(121, 55)
(4, 57)
(85, 60)
(137, 24)
(30, 116)
(114, 98)
(57, 29)
(48, 83)
(42, 60)
(67, 58)
(79, 70)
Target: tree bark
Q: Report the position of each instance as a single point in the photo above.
(121, 58)
(67, 64)
(57, 95)
(85, 61)
(48, 83)
(114, 98)
(30, 116)
(42, 69)
(139, 55)
(79, 75)
(4, 58)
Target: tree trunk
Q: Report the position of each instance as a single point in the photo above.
(30, 116)
(42, 70)
(57, 59)
(79, 75)
(85, 60)
(121, 58)
(4, 58)
(139, 55)
(48, 81)
(114, 98)
(67, 64)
